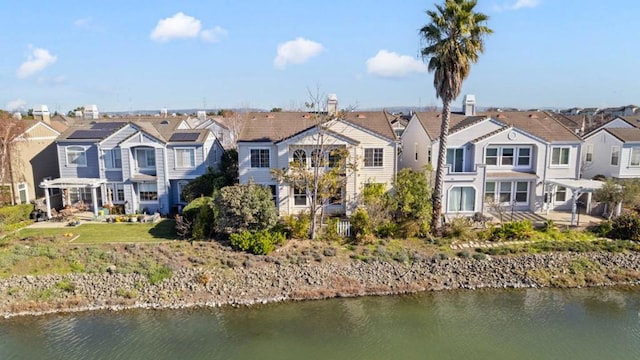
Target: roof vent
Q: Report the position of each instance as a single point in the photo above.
(501, 116)
(361, 116)
(307, 116)
(533, 116)
(271, 116)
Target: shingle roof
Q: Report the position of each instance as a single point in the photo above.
(538, 123)
(278, 126)
(431, 122)
(625, 134)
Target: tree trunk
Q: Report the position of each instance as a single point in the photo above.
(436, 219)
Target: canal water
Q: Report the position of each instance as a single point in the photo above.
(486, 324)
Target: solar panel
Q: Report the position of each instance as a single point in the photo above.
(184, 137)
(107, 125)
(89, 134)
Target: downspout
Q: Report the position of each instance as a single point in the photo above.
(166, 178)
(544, 180)
(13, 184)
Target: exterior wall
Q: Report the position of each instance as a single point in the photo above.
(415, 146)
(91, 170)
(36, 161)
(176, 172)
(602, 142)
(626, 169)
(258, 175)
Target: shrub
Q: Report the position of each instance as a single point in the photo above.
(261, 242)
(387, 229)
(298, 225)
(191, 211)
(10, 215)
(626, 226)
(330, 231)
(246, 207)
(460, 228)
(360, 224)
(157, 273)
(203, 226)
(513, 230)
(66, 286)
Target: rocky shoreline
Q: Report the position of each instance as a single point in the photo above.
(269, 281)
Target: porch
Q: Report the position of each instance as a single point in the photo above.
(66, 184)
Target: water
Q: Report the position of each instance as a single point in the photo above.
(491, 324)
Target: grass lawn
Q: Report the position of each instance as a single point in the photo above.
(108, 233)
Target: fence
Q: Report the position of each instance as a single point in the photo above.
(343, 227)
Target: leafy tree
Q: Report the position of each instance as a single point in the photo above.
(10, 129)
(276, 109)
(412, 192)
(244, 207)
(203, 225)
(229, 167)
(453, 39)
(611, 194)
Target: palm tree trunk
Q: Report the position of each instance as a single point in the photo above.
(436, 220)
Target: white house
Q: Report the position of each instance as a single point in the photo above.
(613, 150)
(272, 141)
(524, 161)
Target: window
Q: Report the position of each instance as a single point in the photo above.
(491, 158)
(115, 193)
(112, 159)
(300, 157)
(416, 150)
(615, 155)
(335, 158)
(317, 158)
(522, 192)
(635, 156)
(185, 157)
(373, 157)
(336, 199)
(560, 156)
(260, 158)
(455, 158)
(429, 156)
(145, 158)
(148, 191)
(76, 156)
(274, 194)
(490, 191)
(23, 193)
(505, 192)
(507, 156)
(589, 153)
(299, 196)
(181, 185)
(524, 156)
(462, 198)
(561, 194)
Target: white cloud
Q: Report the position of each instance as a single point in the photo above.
(83, 23)
(179, 26)
(37, 61)
(213, 35)
(517, 5)
(16, 105)
(296, 51)
(390, 64)
(57, 80)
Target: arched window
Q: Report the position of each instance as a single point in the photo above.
(317, 158)
(300, 157)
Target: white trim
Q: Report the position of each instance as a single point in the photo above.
(560, 164)
(104, 163)
(475, 197)
(364, 157)
(250, 157)
(611, 156)
(175, 157)
(589, 149)
(66, 155)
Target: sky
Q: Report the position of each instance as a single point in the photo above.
(150, 55)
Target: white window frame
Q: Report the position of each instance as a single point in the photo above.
(115, 191)
(588, 157)
(146, 158)
(560, 149)
(494, 196)
(110, 159)
(260, 165)
(615, 150)
(453, 165)
(178, 157)
(142, 188)
(376, 158)
(499, 156)
(302, 159)
(634, 159)
(560, 190)
(81, 154)
(23, 188)
(449, 199)
(299, 194)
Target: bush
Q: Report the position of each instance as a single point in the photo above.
(157, 273)
(261, 242)
(460, 228)
(360, 224)
(191, 211)
(626, 226)
(513, 230)
(246, 207)
(387, 229)
(10, 215)
(298, 225)
(203, 226)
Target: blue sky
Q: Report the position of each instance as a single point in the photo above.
(130, 55)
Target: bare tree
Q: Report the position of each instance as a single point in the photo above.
(10, 129)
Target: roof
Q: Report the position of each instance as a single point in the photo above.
(538, 123)
(511, 175)
(625, 134)
(278, 126)
(431, 122)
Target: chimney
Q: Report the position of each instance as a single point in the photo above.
(42, 113)
(469, 105)
(163, 113)
(17, 115)
(202, 115)
(91, 112)
(332, 105)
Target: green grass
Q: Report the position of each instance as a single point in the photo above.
(108, 233)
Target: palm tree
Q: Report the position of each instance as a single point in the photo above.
(453, 39)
